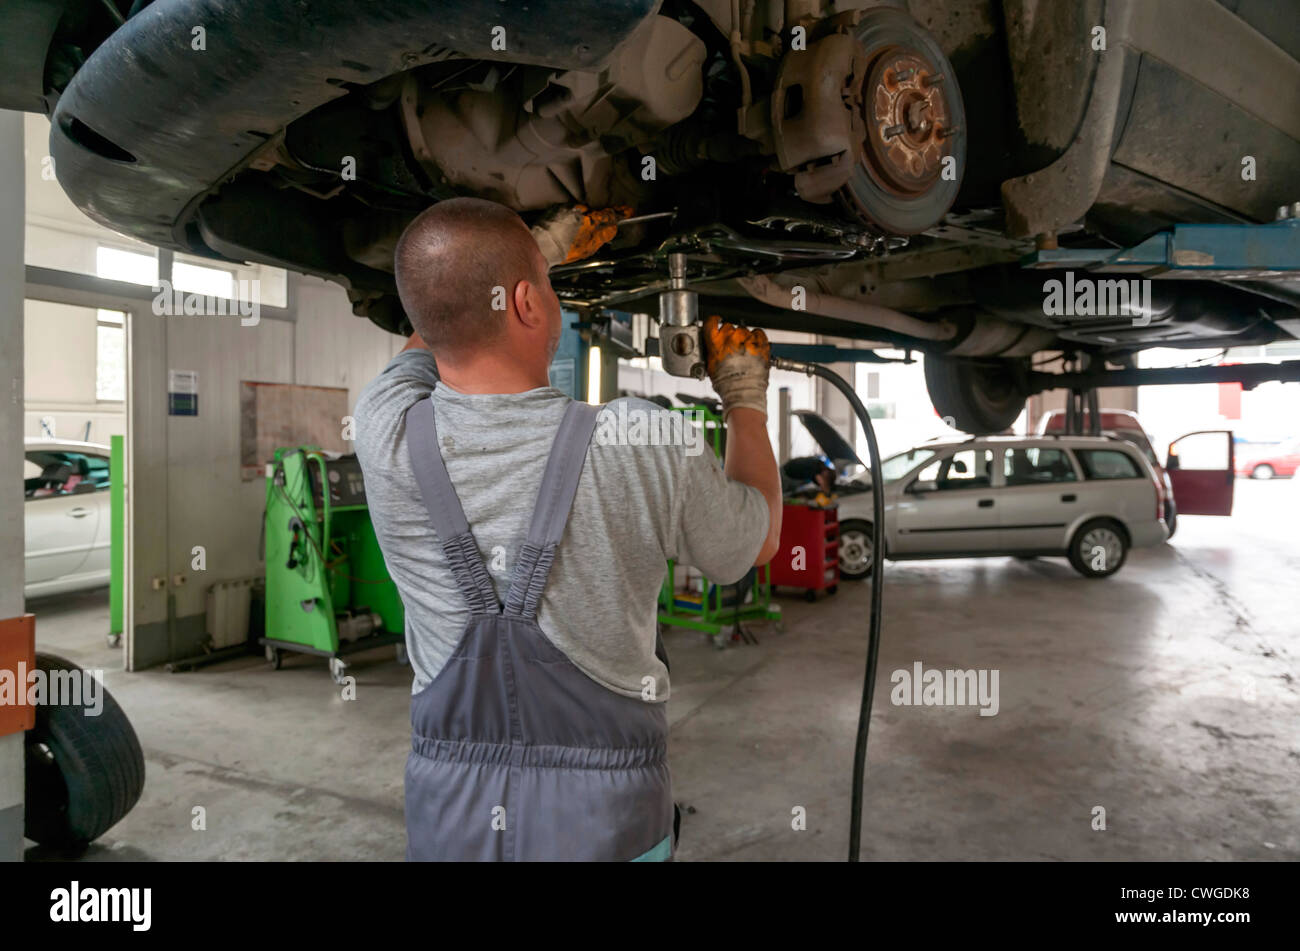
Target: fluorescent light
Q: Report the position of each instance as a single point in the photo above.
(593, 375)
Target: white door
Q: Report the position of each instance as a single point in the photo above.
(60, 531)
(1039, 498)
(949, 507)
(61, 516)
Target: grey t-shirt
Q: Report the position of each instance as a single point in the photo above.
(636, 506)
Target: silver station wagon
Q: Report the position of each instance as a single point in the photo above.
(1089, 498)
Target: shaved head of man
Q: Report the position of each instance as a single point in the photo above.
(464, 267)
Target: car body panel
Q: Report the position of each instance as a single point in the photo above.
(1202, 495)
(1205, 487)
(67, 535)
(1059, 133)
(1018, 518)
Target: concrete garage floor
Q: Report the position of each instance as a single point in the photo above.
(1166, 694)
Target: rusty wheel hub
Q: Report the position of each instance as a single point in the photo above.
(908, 120)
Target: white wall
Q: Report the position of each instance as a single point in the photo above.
(60, 363)
(208, 503)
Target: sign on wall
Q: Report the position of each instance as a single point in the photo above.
(182, 393)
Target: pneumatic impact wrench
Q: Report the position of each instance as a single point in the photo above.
(682, 353)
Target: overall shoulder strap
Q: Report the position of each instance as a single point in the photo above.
(445, 511)
(551, 513)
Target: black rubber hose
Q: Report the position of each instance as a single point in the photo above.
(877, 591)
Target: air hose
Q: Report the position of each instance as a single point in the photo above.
(877, 577)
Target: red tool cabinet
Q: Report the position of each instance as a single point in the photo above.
(809, 556)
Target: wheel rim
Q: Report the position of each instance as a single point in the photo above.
(1108, 540)
(1263, 472)
(855, 551)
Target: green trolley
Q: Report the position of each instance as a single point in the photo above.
(328, 592)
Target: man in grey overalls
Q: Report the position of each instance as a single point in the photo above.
(527, 534)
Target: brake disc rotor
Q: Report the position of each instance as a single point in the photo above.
(914, 147)
(907, 120)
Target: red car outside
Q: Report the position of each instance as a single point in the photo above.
(1281, 460)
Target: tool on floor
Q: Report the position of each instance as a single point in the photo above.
(328, 592)
(682, 351)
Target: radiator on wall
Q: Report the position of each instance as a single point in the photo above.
(228, 612)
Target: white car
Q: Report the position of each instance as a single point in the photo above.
(1090, 498)
(66, 515)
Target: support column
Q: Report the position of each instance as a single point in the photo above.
(12, 218)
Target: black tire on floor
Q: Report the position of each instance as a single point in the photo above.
(84, 773)
(1171, 520)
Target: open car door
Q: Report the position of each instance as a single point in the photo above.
(1201, 470)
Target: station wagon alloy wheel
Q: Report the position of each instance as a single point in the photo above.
(855, 550)
(1099, 549)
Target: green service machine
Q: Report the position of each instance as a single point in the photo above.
(688, 599)
(328, 592)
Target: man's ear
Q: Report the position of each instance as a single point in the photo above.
(527, 301)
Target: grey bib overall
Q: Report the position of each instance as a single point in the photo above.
(516, 754)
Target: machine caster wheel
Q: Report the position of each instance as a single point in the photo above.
(402, 657)
(274, 657)
(115, 640)
(810, 595)
(832, 589)
(338, 670)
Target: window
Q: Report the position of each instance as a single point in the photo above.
(967, 469)
(51, 472)
(110, 356)
(1139, 439)
(897, 466)
(1107, 464)
(131, 266)
(208, 281)
(1035, 466)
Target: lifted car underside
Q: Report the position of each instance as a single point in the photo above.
(863, 168)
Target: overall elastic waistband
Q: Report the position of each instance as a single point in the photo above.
(543, 757)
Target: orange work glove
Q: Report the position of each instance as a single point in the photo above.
(737, 360)
(569, 233)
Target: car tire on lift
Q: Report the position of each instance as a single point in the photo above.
(84, 773)
(978, 396)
